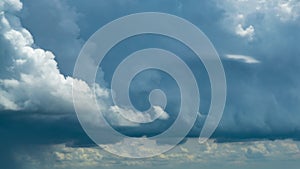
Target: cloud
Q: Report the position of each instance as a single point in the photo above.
(60, 21)
(233, 155)
(242, 58)
(35, 84)
(242, 16)
(10, 5)
(262, 100)
(37, 78)
(247, 32)
(156, 112)
(30, 78)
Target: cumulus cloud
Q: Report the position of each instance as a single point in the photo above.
(33, 79)
(242, 58)
(34, 82)
(262, 100)
(225, 154)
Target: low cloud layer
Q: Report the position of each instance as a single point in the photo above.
(257, 154)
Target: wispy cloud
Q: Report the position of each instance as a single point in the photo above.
(242, 58)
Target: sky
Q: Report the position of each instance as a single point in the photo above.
(257, 42)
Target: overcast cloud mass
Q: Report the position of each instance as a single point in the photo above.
(258, 42)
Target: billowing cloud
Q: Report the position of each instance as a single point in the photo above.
(30, 78)
(262, 100)
(31, 81)
(34, 82)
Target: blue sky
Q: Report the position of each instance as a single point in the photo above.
(257, 42)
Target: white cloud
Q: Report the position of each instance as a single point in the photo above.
(141, 117)
(34, 81)
(242, 58)
(247, 32)
(243, 17)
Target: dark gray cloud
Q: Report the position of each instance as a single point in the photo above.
(262, 100)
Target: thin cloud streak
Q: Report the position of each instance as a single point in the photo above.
(242, 58)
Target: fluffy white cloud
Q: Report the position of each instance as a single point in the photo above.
(34, 82)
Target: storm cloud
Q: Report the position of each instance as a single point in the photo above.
(39, 41)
